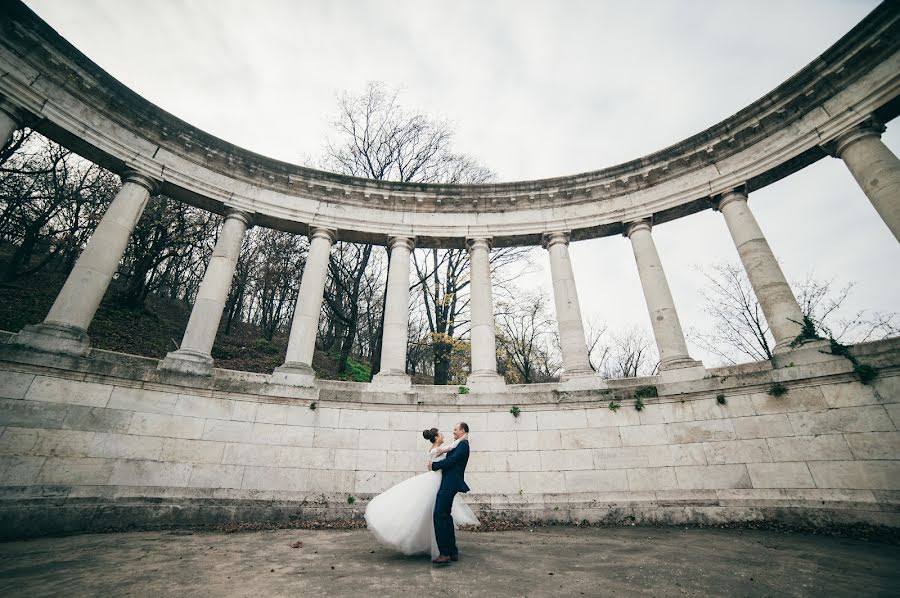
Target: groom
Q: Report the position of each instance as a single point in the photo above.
(454, 467)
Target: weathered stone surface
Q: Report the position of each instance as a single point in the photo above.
(656, 478)
(663, 413)
(192, 451)
(780, 475)
(849, 394)
(828, 447)
(798, 398)
(593, 481)
(14, 385)
(872, 418)
(701, 431)
(874, 445)
(125, 446)
(712, 477)
(737, 451)
(144, 401)
(644, 435)
(207, 407)
(167, 426)
(871, 475)
(762, 426)
(216, 476)
(20, 470)
(75, 471)
(150, 473)
(590, 438)
(97, 419)
(72, 392)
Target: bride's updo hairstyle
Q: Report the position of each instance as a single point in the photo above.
(430, 435)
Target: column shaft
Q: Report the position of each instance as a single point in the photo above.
(568, 311)
(673, 351)
(65, 327)
(193, 356)
(297, 368)
(396, 315)
(876, 169)
(772, 290)
(481, 306)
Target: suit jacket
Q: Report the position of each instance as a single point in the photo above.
(454, 468)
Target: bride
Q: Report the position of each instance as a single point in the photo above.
(401, 516)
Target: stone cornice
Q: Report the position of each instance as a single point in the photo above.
(83, 107)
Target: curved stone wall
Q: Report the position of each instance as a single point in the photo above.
(111, 441)
(48, 83)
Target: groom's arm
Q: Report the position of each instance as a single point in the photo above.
(451, 460)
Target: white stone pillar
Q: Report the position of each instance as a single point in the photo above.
(484, 376)
(193, 356)
(65, 328)
(297, 368)
(772, 290)
(392, 373)
(673, 351)
(875, 168)
(576, 363)
(8, 126)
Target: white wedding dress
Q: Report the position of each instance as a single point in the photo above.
(401, 516)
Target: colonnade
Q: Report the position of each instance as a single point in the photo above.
(64, 330)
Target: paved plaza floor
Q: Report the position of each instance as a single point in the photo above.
(560, 561)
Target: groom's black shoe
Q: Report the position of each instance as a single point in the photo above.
(442, 560)
(454, 557)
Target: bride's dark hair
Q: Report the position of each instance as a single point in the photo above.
(430, 435)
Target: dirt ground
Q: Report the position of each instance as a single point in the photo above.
(543, 562)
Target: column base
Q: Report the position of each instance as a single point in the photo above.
(485, 382)
(294, 373)
(681, 370)
(814, 351)
(581, 380)
(187, 361)
(53, 337)
(391, 381)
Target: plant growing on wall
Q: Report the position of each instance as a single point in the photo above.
(515, 411)
(639, 404)
(613, 406)
(312, 406)
(463, 390)
(777, 389)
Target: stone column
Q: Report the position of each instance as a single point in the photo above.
(875, 168)
(193, 356)
(484, 376)
(392, 373)
(772, 290)
(65, 328)
(576, 363)
(673, 351)
(8, 126)
(297, 368)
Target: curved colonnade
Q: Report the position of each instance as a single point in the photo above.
(835, 106)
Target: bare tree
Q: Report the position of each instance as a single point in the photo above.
(739, 330)
(630, 353)
(526, 333)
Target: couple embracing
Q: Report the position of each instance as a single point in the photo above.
(420, 514)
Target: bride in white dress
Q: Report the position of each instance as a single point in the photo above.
(401, 516)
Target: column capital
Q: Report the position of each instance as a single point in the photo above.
(409, 242)
(322, 233)
(736, 194)
(236, 214)
(553, 238)
(133, 176)
(636, 225)
(867, 128)
(478, 243)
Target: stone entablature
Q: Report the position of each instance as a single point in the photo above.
(73, 101)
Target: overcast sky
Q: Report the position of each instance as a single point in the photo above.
(533, 89)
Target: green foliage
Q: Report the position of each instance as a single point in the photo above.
(351, 499)
(720, 399)
(639, 404)
(807, 332)
(777, 389)
(613, 406)
(515, 411)
(643, 392)
(463, 390)
(266, 346)
(313, 406)
(864, 371)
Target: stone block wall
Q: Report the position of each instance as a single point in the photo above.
(83, 450)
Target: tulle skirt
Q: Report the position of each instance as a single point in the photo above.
(401, 516)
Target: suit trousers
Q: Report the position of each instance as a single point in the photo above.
(443, 522)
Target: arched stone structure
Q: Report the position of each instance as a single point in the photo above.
(102, 426)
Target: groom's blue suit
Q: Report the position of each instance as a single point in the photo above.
(452, 481)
